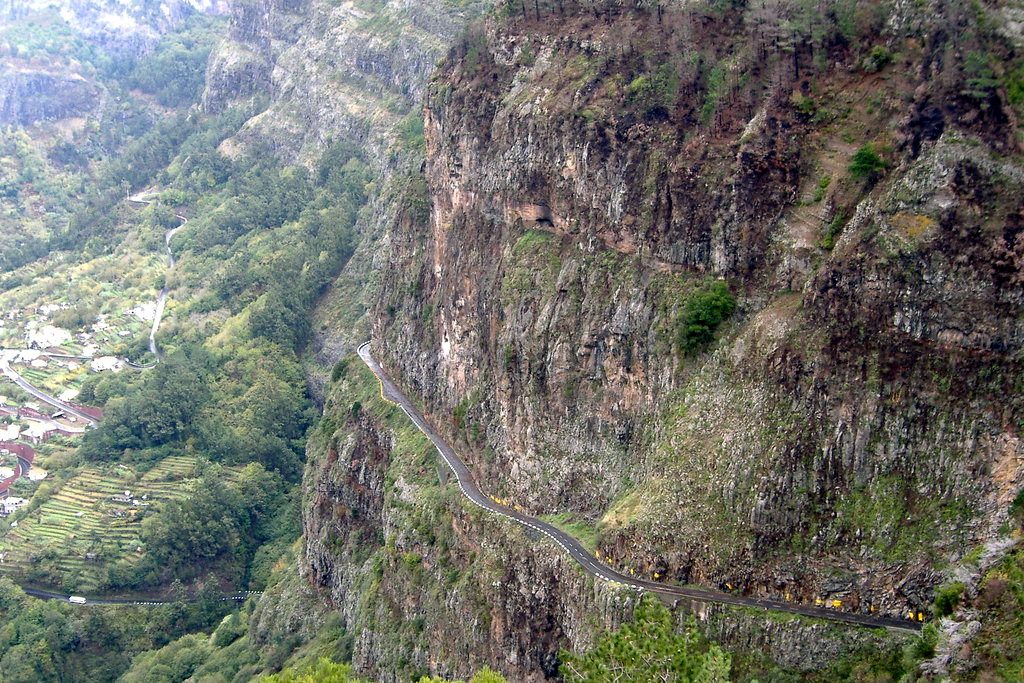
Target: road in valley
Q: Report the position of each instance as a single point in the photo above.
(161, 300)
(8, 371)
(24, 464)
(50, 595)
(391, 393)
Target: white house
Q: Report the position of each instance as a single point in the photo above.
(10, 504)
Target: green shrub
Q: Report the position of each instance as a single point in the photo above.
(1017, 506)
(805, 105)
(412, 560)
(981, 81)
(947, 598)
(823, 184)
(877, 59)
(510, 358)
(411, 132)
(866, 164)
(526, 56)
(651, 643)
(654, 93)
(835, 227)
(704, 311)
(340, 368)
(459, 413)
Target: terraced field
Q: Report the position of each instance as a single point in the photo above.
(81, 528)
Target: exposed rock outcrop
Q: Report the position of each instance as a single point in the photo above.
(589, 173)
(30, 95)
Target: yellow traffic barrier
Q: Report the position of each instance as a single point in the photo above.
(729, 586)
(910, 615)
(657, 575)
(920, 616)
(873, 608)
(837, 603)
(788, 596)
(819, 601)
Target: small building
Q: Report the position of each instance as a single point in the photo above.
(9, 505)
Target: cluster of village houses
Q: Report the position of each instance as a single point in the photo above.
(40, 336)
(27, 423)
(35, 427)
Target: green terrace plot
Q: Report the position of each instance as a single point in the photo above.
(69, 540)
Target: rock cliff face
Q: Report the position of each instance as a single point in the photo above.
(591, 172)
(30, 94)
(422, 582)
(858, 422)
(345, 70)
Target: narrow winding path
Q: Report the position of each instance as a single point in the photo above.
(161, 300)
(391, 393)
(9, 372)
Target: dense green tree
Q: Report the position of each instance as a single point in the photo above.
(160, 409)
(649, 649)
(866, 164)
(703, 311)
(175, 71)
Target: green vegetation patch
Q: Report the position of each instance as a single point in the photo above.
(1000, 645)
(703, 311)
(534, 264)
(72, 538)
(650, 644)
(867, 164)
(582, 530)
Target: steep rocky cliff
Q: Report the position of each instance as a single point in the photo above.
(601, 183)
(852, 174)
(409, 579)
(331, 70)
(30, 94)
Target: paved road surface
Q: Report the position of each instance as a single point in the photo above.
(50, 595)
(7, 370)
(162, 299)
(591, 565)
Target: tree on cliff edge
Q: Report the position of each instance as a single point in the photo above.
(649, 649)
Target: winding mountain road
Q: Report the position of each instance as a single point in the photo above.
(391, 393)
(161, 300)
(8, 371)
